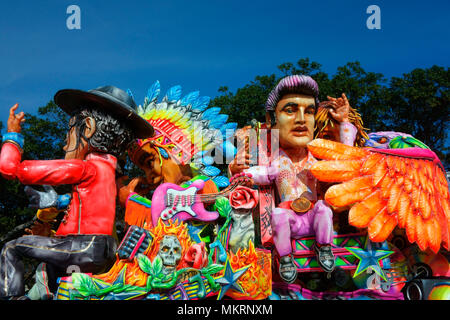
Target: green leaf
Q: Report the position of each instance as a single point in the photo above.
(145, 264)
(222, 205)
(84, 284)
(212, 269)
(157, 265)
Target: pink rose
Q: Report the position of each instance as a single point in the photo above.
(243, 198)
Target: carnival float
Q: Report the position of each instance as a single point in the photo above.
(304, 206)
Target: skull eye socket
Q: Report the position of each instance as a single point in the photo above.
(165, 249)
(176, 250)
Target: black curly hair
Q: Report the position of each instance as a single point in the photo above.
(111, 135)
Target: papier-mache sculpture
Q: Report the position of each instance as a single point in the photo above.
(97, 136)
(347, 215)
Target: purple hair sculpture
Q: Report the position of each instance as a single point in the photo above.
(293, 84)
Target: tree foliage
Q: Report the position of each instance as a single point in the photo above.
(418, 103)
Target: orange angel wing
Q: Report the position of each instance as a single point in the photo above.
(387, 188)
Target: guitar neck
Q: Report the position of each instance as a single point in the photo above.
(214, 196)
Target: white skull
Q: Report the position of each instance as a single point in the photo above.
(170, 253)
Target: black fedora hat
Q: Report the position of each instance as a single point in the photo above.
(109, 99)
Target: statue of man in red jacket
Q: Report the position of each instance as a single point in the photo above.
(103, 123)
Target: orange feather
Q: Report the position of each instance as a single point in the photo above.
(429, 185)
(415, 194)
(446, 207)
(421, 233)
(380, 172)
(386, 185)
(443, 188)
(336, 171)
(331, 150)
(371, 162)
(381, 226)
(424, 205)
(400, 166)
(429, 169)
(349, 192)
(404, 209)
(415, 174)
(408, 184)
(434, 234)
(411, 226)
(390, 162)
(422, 176)
(363, 212)
(394, 197)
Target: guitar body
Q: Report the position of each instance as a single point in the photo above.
(172, 201)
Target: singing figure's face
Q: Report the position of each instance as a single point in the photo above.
(295, 120)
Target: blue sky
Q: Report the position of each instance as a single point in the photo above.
(203, 45)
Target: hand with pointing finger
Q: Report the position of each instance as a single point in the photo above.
(15, 121)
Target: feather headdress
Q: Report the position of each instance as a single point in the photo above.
(185, 127)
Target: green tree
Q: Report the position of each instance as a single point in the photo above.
(248, 102)
(365, 91)
(418, 104)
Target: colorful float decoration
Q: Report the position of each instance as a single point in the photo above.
(194, 233)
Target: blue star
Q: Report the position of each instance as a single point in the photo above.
(195, 229)
(229, 279)
(369, 257)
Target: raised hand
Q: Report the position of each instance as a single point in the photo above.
(135, 185)
(242, 159)
(15, 121)
(341, 108)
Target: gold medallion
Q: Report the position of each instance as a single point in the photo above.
(301, 205)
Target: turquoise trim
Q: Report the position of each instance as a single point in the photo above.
(141, 200)
(15, 137)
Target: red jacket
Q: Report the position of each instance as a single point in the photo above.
(93, 205)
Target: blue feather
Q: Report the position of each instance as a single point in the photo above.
(221, 181)
(218, 121)
(190, 98)
(153, 91)
(228, 129)
(207, 161)
(210, 113)
(174, 93)
(211, 171)
(201, 103)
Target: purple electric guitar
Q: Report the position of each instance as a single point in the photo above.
(172, 201)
